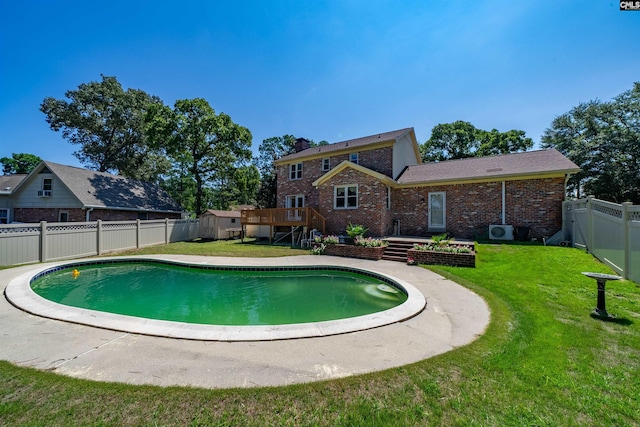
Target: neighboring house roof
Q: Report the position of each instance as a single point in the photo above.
(9, 182)
(223, 214)
(349, 145)
(529, 163)
(103, 190)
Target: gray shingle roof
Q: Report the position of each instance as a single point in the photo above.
(99, 189)
(349, 144)
(509, 165)
(224, 214)
(9, 182)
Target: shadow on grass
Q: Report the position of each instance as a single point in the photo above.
(612, 319)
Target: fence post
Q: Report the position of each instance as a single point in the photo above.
(43, 241)
(589, 224)
(627, 245)
(138, 233)
(99, 236)
(166, 231)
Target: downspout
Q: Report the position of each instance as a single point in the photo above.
(504, 218)
(566, 182)
(88, 211)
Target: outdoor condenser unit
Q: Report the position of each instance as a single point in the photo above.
(501, 232)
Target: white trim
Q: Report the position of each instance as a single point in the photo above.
(345, 196)
(438, 227)
(295, 169)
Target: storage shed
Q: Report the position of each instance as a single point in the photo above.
(217, 224)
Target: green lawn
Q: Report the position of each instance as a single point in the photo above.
(543, 361)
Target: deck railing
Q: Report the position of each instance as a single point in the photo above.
(294, 217)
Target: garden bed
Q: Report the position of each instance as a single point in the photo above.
(352, 251)
(447, 255)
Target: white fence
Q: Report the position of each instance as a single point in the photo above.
(609, 231)
(27, 243)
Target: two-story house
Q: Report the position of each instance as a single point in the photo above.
(380, 182)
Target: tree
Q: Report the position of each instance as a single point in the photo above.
(107, 123)
(209, 147)
(19, 163)
(460, 139)
(270, 150)
(603, 138)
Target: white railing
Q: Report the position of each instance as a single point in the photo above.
(27, 243)
(609, 231)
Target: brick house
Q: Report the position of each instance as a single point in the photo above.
(59, 193)
(380, 182)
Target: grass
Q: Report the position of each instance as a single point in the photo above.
(232, 248)
(542, 362)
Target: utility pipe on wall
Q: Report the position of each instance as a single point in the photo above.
(504, 219)
(87, 214)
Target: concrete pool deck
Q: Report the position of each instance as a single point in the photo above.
(454, 316)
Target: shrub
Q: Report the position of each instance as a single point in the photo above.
(319, 250)
(355, 230)
(370, 242)
(439, 247)
(327, 240)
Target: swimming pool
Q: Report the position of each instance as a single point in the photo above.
(388, 299)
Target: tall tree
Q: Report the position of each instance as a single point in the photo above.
(19, 163)
(107, 123)
(270, 150)
(603, 138)
(209, 146)
(460, 139)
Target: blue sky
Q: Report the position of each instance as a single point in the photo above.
(324, 70)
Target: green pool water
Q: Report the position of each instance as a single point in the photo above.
(219, 297)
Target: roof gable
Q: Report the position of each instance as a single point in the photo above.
(526, 164)
(367, 142)
(223, 214)
(347, 164)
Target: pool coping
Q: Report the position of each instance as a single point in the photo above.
(454, 317)
(20, 294)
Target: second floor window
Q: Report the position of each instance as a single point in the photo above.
(295, 171)
(326, 164)
(47, 184)
(353, 157)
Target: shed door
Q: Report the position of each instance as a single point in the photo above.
(437, 211)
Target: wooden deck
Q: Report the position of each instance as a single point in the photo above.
(291, 217)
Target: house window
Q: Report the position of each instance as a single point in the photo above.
(233, 220)
(47, 184)
(388, 198)
(295, 171)
(143, 216)
(63, 216)
(345, 197)
(4, 216)
(326, 164)
(353, 157)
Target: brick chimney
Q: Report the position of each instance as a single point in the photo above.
(301, 144)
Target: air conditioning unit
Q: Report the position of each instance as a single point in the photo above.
(44, 193)
(501, 232)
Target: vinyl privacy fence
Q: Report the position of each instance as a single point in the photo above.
(28, 243)
(609, 231)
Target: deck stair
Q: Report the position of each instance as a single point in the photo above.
(397, 250)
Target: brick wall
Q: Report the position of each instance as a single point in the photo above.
(371, 211)
(379, 160)
(32, 215)
(471, 208)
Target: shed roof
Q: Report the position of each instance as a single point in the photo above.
(350, 144)
(223, 214)
(529, 163)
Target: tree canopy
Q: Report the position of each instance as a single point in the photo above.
(460, 139)
(19, 163)
(108, 123)
(204, 146)
(603, 139)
